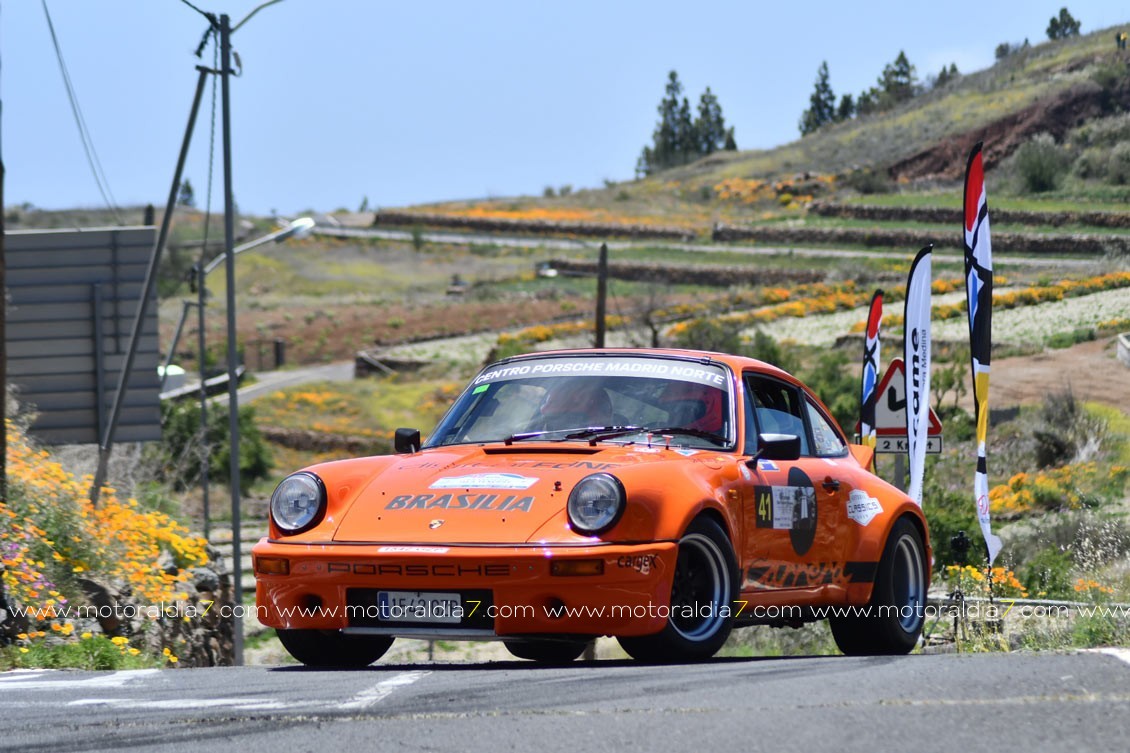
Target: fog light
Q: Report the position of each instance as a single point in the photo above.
(576, 567)
(272, 565)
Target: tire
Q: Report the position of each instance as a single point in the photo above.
(331, 648)
(547, 652)
(706, 580)
(896, 611)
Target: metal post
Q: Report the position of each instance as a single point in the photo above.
(233, 391)
(173, 344)
(601, 293)
(107, 444)
(205, 442)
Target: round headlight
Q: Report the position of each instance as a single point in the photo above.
(298, 502)
(596, 504)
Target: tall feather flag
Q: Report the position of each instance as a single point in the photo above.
(979, 295)
(916, 352)
(870, 380)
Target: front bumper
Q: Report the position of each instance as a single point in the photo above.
(326, 587)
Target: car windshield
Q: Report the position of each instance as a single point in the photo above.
(606, 397)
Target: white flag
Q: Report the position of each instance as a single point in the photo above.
(916, 350)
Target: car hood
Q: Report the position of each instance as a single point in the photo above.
(480, 494)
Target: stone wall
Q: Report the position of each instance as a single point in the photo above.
(1081, 244)
(684, 274)
(953, 215)
(537, 227)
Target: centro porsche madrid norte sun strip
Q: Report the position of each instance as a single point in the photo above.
(663, 497)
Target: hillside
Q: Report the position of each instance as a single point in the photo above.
(1056, 88)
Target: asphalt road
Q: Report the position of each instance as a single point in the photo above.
(970, 702)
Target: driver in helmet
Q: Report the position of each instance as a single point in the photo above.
(576, 403)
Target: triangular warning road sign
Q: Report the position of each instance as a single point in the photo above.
(890, 403)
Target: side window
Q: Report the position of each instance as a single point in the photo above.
(777, 409)
(826, 439)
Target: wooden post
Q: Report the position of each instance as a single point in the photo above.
(601, 293)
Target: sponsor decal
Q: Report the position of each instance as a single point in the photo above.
(509, 503)
(767, 465)
(765, 574)
(641, 563)
(685, 452)
(644, 367)
(746, 473)
(436, 523)
(485, 481)
(545, 464)
(413, 549)
(785, 507)
(791, 508)
(862, 508)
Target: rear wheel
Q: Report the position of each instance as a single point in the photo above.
(332, 648)
(702, 594)
(897, 611)
(546, 652)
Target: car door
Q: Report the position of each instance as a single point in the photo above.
(792, 509)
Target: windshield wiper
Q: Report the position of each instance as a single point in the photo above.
(708, 435)
(597, 433)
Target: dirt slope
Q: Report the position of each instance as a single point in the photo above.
(1091, 370)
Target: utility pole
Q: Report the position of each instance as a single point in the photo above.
(107, 443)
(233, 350)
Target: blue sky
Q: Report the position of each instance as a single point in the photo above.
(411, 102)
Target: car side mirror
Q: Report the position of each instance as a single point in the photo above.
(777, 447)
(406, 441)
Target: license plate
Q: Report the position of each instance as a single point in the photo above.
(417, 606)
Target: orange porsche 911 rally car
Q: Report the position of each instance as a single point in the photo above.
(659, 496)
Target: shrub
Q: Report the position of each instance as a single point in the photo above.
(1118, 165)
(1041, 164)
(1091, 164)
(180, 450)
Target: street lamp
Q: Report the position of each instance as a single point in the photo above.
(299, 228)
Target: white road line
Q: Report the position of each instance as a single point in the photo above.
(1117, 653)
(60, 681)
(185, 704)
(380, 691)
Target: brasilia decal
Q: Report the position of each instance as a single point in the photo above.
(509, 503)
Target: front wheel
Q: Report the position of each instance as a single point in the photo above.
(546, 651)
(702, 595)
(332, 648)
(892, 621)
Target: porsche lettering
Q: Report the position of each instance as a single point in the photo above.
(444, 570)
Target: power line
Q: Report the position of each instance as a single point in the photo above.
(84, 132)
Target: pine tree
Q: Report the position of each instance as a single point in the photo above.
(731, 145)
(846, 110)
(898, 82)
(679, 139)
(666, 141)
(686, 137)
(710, 126)
(821, 105)
(186, 197)
(1063, 26)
